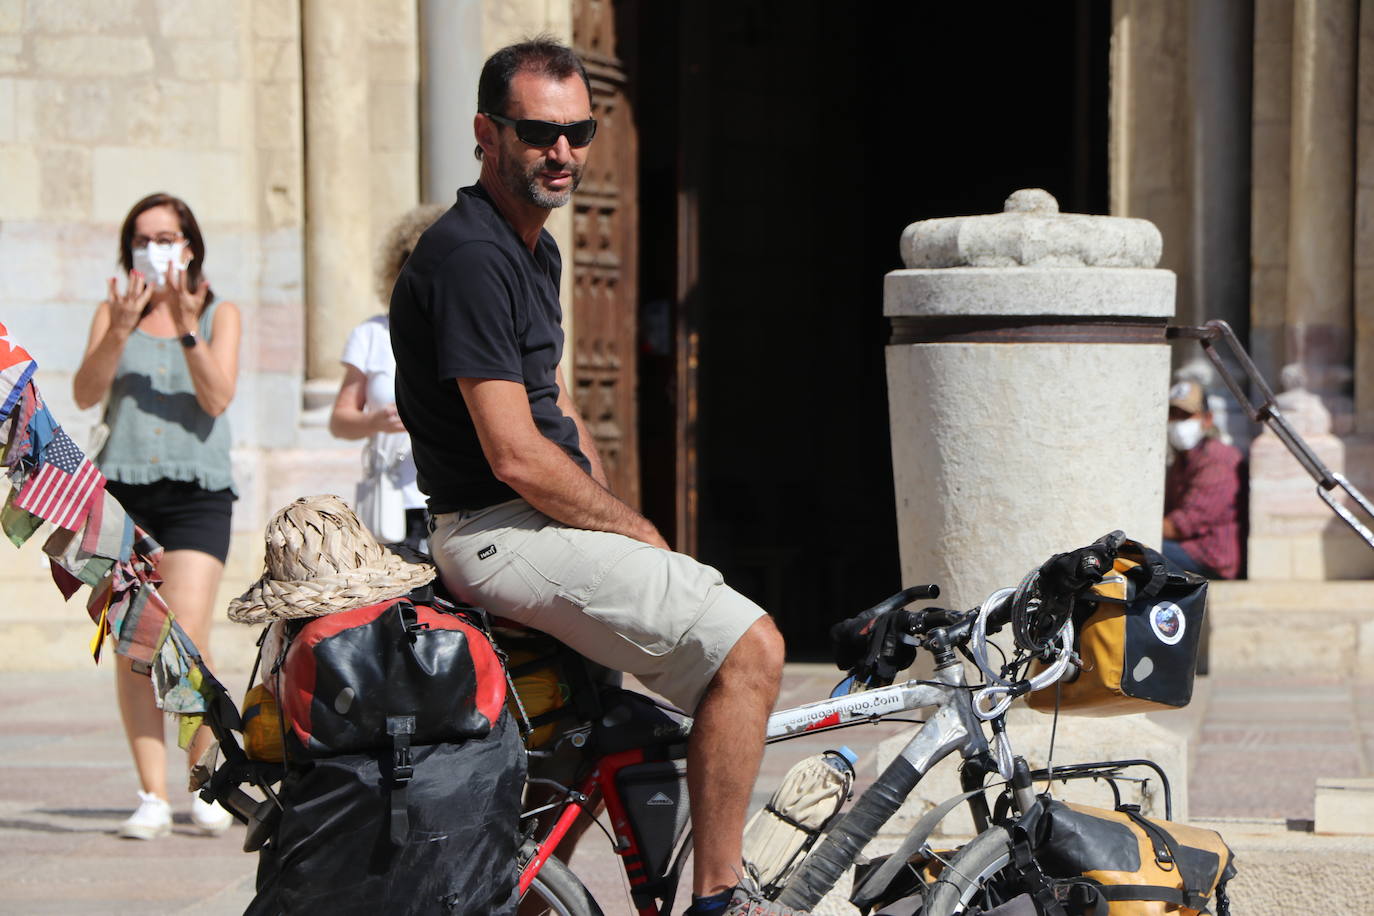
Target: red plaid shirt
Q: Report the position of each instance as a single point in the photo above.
(1202, 499)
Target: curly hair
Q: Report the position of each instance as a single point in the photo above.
(399, 242)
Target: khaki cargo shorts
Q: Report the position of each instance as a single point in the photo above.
(659, 615)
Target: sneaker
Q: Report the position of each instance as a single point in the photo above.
(152, 819)
(744, 901)
(208, 817)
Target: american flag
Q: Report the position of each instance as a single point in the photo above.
(64, 485)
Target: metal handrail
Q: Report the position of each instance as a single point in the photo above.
(1267, 412)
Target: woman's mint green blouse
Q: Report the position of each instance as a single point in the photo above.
(157, 429)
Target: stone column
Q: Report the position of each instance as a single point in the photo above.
(1028, 378)
(1305, 259)
(1322, 203)
(451, 55)
(338, 218)
(1027, 382)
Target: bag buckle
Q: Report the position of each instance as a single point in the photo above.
(400, 728)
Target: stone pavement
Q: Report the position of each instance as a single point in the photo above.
(66, 782)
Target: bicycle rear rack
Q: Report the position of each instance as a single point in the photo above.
(1267, 412)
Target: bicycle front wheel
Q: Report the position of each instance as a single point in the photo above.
(555, 891)
(971, 882)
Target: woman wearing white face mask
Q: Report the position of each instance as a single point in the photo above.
(166, 354)
(1202, 490)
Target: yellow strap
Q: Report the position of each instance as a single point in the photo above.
(98, 639)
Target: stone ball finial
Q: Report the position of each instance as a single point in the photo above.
(1031, 232)
(1031, 200)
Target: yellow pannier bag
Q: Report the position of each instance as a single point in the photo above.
(536, 672)
(1132, 865)
(1137, 633)
(262, 734)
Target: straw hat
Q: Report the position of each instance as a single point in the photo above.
(321, 560)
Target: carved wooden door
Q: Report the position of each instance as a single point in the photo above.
(605, 256)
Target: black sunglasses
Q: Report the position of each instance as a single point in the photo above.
(544, 134)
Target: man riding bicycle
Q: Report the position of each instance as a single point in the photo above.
(524, 524)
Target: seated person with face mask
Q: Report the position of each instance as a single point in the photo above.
(1202, 490)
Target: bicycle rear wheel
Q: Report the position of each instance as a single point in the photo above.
(555, 891)
(972, 882)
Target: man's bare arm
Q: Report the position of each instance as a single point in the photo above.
(541, 472)
(584, 438)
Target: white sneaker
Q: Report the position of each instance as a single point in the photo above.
(152, 819)
(208, 817)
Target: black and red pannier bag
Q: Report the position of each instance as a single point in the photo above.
(404, 770)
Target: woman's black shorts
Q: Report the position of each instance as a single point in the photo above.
(178, 514)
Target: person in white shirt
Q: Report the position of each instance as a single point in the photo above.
(388, 500)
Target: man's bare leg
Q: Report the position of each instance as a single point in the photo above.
(724, 752)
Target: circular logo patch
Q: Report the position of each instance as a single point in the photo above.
(1166, 619)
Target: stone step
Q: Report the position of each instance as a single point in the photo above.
(1279, 871)
(1324, 628)
(1345, 806)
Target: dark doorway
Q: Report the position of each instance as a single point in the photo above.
(784, 148)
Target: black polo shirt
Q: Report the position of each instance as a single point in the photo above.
(473, 302)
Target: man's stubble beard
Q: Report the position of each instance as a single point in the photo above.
(525, 183)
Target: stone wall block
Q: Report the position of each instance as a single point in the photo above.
(201, 60)
(1365, 154)
(210, 181)
(11, 16)
(391, 21)
(55, 336)
(395, 189)
(277, 59)
(172, 113)
(89, 258)
(1364, 77)
(1364, 231)
(92, 56)
(79, 112)
(276, 18)
(197, 18)
(1271, 147)
(1269, 226)
(280, 173)
(279, 261)
(21, 187)
(277, 109)
(12, 55)
(233, 112)
(393, 113)
(8, 130)
(66, 184)
(283, 341)
(1267, 289)
(88, 17)
(1273, 98)
(393, 62)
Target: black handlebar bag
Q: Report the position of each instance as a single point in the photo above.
(1137, 633)
(404, 772)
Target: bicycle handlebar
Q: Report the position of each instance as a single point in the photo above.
(876, 644)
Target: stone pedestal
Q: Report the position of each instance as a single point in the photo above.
(1027, 382)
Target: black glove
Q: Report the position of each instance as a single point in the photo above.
(1065, 575)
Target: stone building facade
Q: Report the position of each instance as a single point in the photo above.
(298, 129)
(1243, 130)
